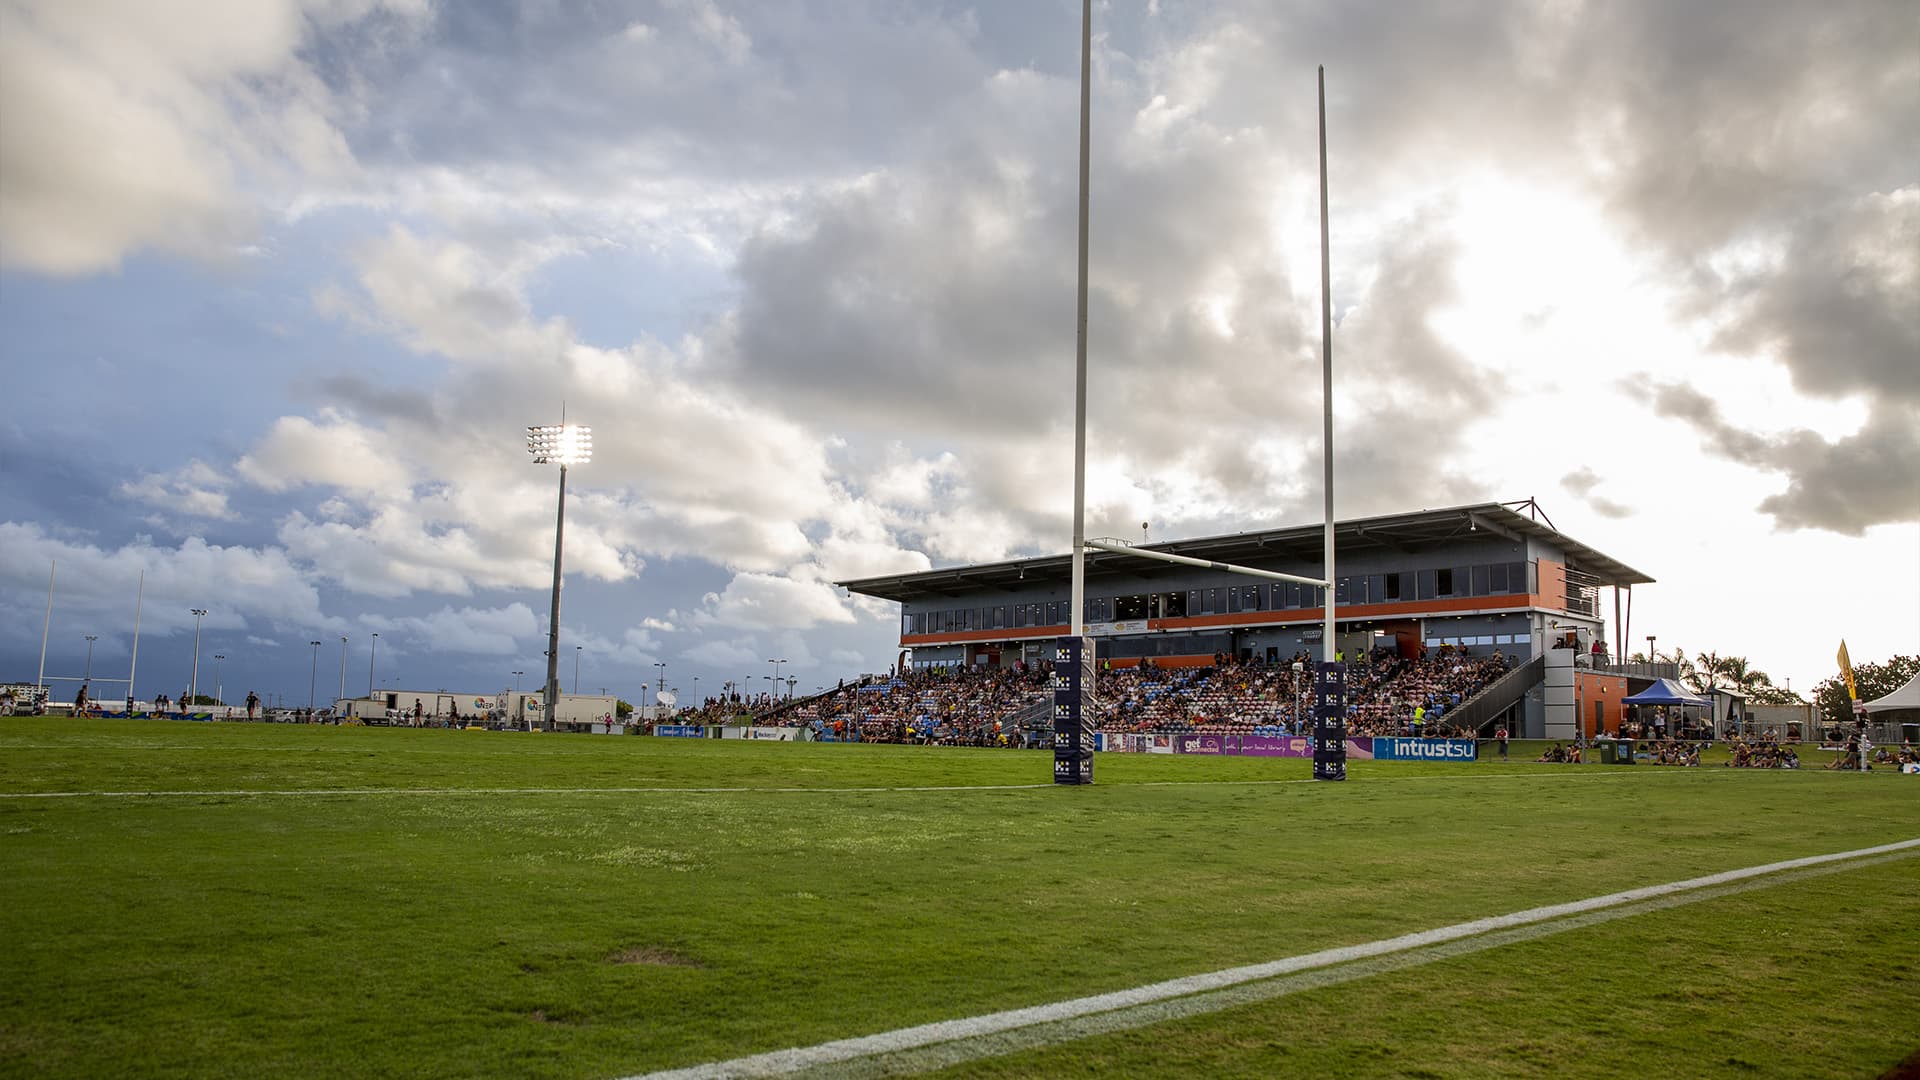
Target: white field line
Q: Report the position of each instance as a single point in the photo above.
(997, 1044)
(839, 1051)
(1557, 778)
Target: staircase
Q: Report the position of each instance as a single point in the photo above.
(1499, 696)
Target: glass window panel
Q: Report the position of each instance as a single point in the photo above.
(1480, 581)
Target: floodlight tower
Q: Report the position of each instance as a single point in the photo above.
(88, 677)
(343, 667)
(561, 444)
(219, 687)
(313, 677)
(193, 683)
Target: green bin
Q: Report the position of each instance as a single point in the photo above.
(1623, 752)
(1607, 752)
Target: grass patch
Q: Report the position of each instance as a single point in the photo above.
(445, 919)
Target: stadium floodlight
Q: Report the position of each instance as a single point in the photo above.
(373, 647)
(313, 677)
(193, 683)
(88, 677)
(561, 444)
(219, 688)
(343, 669)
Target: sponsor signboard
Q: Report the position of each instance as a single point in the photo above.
(1425, 749)
(1201, 744)
(680, 731)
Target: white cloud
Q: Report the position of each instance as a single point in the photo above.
(764, 601)
(195, 490)
(131, 125)
(483, 631)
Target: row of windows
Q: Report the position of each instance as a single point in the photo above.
(1480, 639)
(1492, 579)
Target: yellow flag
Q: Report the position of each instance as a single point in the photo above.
(1846, 670)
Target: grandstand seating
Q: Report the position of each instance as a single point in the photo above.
(1387, 694)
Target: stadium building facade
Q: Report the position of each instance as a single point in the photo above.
(1480, 578)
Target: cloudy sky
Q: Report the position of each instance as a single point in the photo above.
(282, 282)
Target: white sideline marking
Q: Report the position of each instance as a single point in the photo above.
(782, 1062)
(997, 1044)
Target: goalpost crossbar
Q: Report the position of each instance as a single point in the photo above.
(1204, 564)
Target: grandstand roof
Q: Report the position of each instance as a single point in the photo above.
(1397, 532)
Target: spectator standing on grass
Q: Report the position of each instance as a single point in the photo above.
(419, 713)
(183, 704)
(1500, 735)
(253, 703)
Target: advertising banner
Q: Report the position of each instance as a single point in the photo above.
(1294, 746)
(1425, 749)
(1201, 744)
(680, 731)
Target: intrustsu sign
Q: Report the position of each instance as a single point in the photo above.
(1330, 721)
(1074, 714)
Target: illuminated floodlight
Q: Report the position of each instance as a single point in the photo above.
(560, 444)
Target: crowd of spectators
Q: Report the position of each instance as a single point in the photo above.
(1759, 753)
(1387, 695)
(1562, 754)
(933, 706)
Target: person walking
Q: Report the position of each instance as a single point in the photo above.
(1501, 736)
(253, 704)
(80, 701)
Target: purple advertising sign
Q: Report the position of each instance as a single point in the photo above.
(1298, 746)
(1201, 744)
(1291, 746)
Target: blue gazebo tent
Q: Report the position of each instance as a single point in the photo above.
(1665, 692)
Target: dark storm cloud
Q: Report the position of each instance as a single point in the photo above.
(1764, 152)
(377, 400)
(1843, 485)
(1582, 482)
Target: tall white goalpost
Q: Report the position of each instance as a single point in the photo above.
(1074, 716)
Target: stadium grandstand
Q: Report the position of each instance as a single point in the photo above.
(1485, 611)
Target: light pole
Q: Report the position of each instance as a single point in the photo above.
(219, 688)
(576, 668)
(313, 676)
(193, 683)
(696, 689)
(662, 684)
(561, 444)
(1652, 657)
(776, 676)
(516, 681)
(88, 677)
(372, 648)
(343, 669)
(791, 679)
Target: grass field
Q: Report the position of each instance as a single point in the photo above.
(316, 901)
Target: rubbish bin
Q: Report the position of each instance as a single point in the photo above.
(1623, 752)
(1608, 752)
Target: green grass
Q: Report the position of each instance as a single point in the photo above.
(477, 933)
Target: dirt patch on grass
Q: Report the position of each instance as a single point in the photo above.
(653, 955)
(541, 1016)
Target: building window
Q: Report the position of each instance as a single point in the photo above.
(1249, 598)
(1175, 605)
(1392, 583)
(1479, 581)
(1497, 578)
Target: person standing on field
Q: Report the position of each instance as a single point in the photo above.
(1501, 736)
(253, 703)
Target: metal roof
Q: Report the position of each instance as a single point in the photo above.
(1300, 543)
